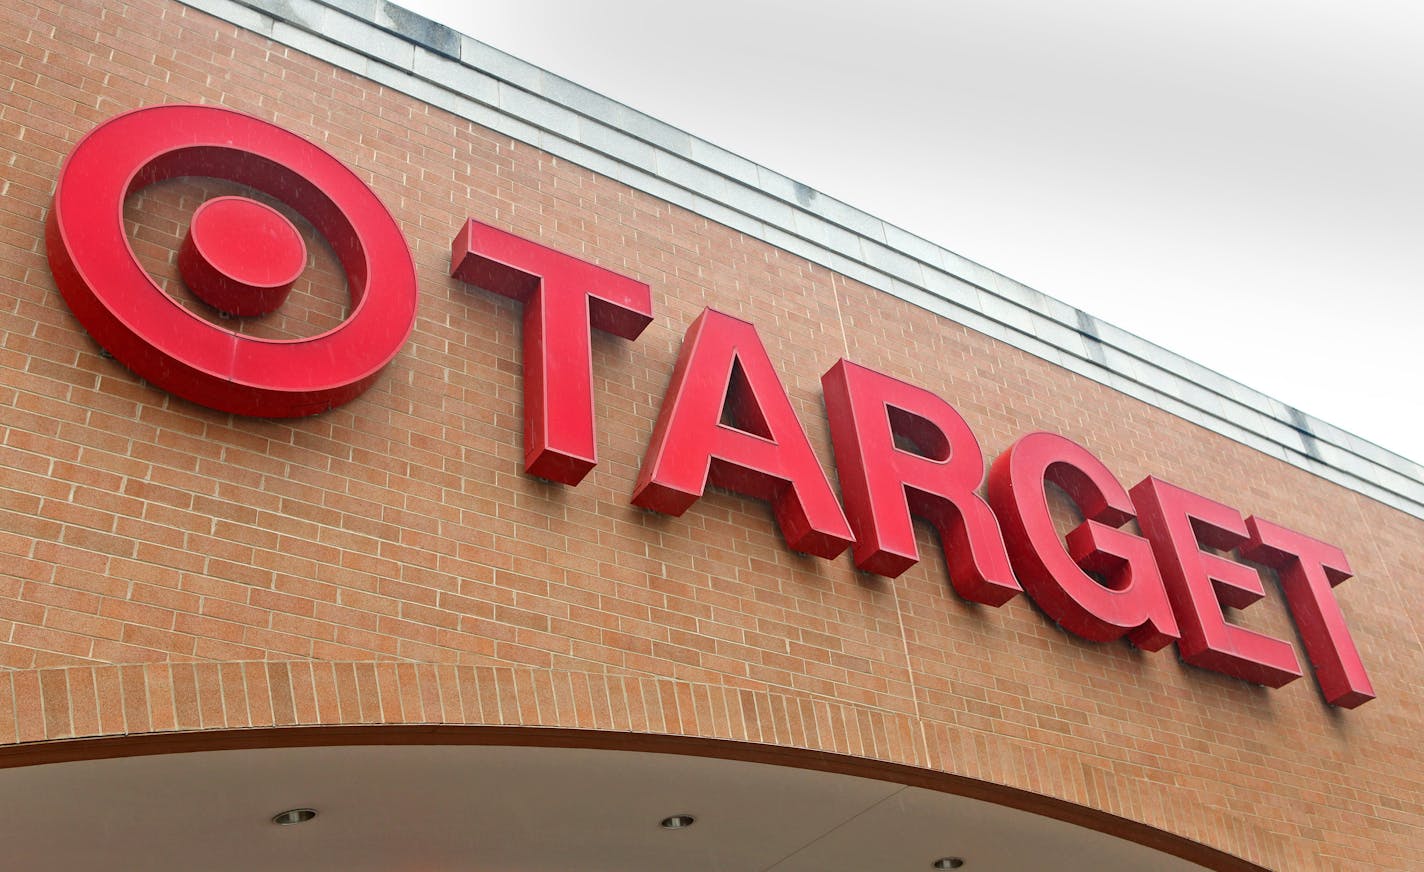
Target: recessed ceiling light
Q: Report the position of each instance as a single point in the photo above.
(948, 863)
(293, 816)
(677, 822)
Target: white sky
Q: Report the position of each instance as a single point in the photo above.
(1241, 181)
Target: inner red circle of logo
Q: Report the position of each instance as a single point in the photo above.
(241, 256)
(122, 307)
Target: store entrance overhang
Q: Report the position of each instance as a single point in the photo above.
(531, 800)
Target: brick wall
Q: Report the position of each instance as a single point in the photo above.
(164, 567)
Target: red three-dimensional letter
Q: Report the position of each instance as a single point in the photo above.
(1309, 568)
(766, 455)
(1133, 601)
(563, 298)
(884, 485)
(1178, 522)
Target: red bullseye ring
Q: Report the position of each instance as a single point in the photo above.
(122, 307)
(241, 256)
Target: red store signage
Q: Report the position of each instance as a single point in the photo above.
(1100, 582)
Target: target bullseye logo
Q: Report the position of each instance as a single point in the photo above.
(240, 256)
